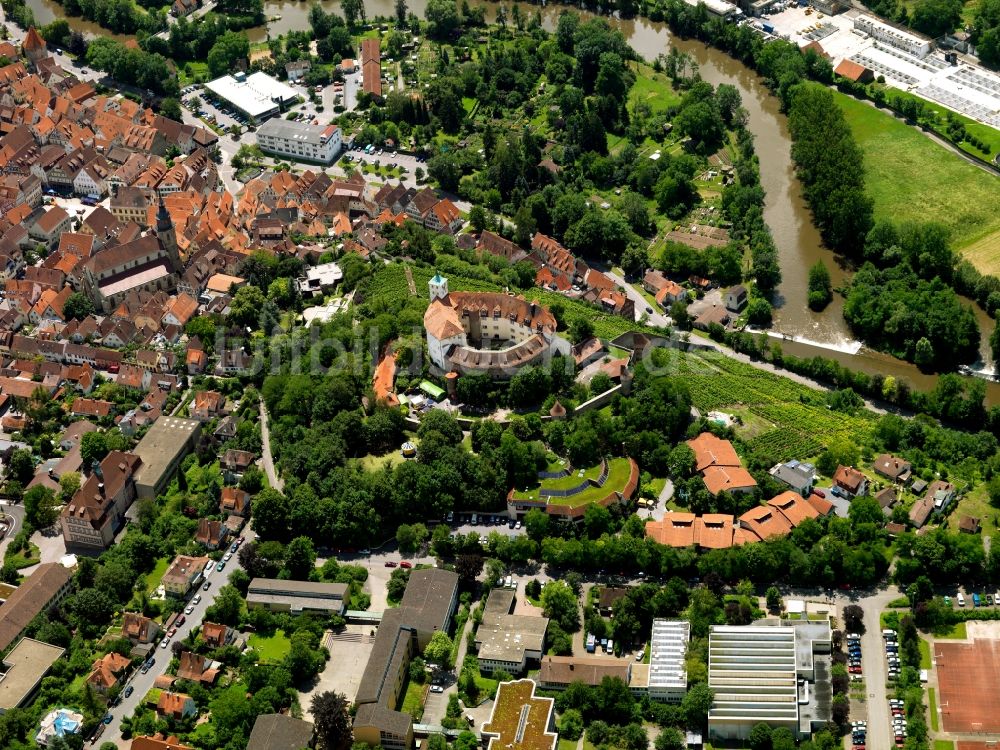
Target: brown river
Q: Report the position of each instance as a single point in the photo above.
(805, 332)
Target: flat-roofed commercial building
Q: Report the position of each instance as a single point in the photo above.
(667, 651)
(161, 450)
(23, 669)
(755, 674)
(301, 141)
(297, 596)
(508, 641)
(258, 95)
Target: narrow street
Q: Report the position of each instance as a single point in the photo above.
(267, 460)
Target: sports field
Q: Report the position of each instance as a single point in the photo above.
(912, 178)
(965, 670)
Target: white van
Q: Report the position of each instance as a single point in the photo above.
(960, 599)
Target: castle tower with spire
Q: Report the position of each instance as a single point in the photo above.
(168, 237)
(33, 46)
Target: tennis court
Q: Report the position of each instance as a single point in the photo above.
(967, 677)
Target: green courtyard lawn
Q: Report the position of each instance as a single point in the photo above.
(413, 699)
(911, 178)
(565, 744)
(271, 648)
(618, 474)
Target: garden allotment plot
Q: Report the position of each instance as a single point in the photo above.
(782, 418)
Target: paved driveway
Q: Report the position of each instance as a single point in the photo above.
(349, 652)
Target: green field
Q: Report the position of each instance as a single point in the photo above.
(618, 474)
(911, 178)
(985, 133)
(651, 88)
(272, 648)
(925, 654)
(932, 710)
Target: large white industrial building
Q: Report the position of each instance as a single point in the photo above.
(258, 95)
(667, 652)
(776, 674)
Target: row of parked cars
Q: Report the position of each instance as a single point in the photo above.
(892, 653)
(854, 654)
(859, 734)
(898, 721)
(978, 600)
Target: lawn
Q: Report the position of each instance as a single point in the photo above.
(925, 654)
(977, 505)
(618, 474)
(372, 463)
(20, 560)
(413, 700)
(957, 632)
(943, 744)
(565, 744)
(272, 648)
(911, 178)
(652, 88)
(153, 577)
(932, 708)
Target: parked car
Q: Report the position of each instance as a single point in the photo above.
(221, 565)
(437, 689)
(164, 642)
(405, 564)
(390, 564)
(189, 609)
(128, 691)
(207, 586)
(108, 718)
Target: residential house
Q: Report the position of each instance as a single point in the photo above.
(940, 493)
(215, 635)
(184, 573)
(176, 706)
(887, 499)
(49, 226)
(236, 462)
(969, 525)
(47, 586)
(849, 482)
(669, 293)
(207, 405)
(197, 668)
(892, 468)
(159, 742)
(107, 671)
(235, 501)
(720, 467)
(797, 475)
(736, 298)
(89, 407)
(211, 533)
(139, 629)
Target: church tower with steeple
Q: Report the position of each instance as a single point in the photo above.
(168, 237)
